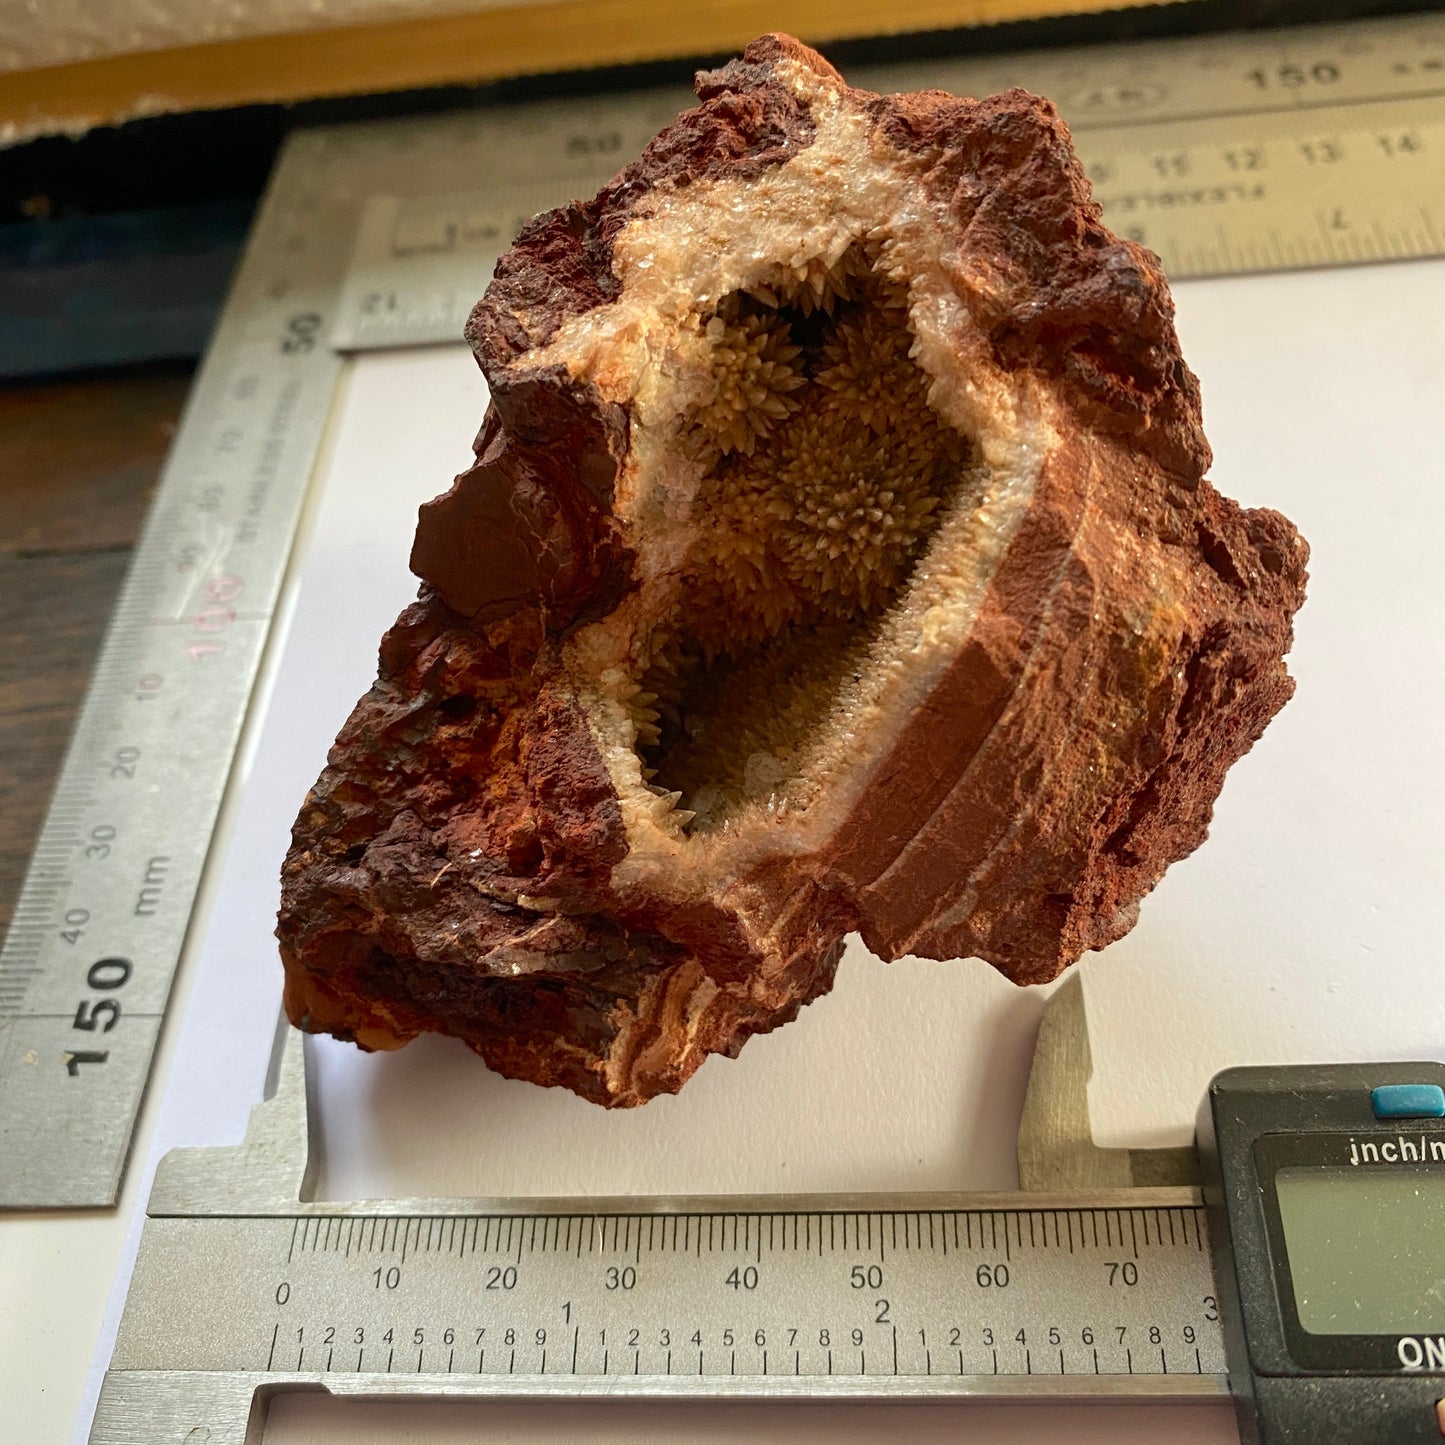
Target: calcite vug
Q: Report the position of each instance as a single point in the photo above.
(837, 557)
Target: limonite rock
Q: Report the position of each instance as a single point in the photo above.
(837, 558)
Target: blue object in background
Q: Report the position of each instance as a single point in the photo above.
(113, 289)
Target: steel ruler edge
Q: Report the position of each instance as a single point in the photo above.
(245, 1288)
(101, 923)
(350, 246)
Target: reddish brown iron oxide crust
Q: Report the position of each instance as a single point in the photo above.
(997, 826)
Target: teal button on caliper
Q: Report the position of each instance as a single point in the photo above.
(1408, 1101)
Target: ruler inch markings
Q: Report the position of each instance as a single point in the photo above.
(330, 1293)
(428, 291)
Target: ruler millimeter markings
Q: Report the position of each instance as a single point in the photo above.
(898, 1292)
(243, 1289)
(87, 967)
(1269, 150)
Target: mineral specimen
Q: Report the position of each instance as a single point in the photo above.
(837, 557)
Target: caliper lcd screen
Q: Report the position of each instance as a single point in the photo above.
(1366, 1249)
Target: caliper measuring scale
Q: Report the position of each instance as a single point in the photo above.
(1109, 1276)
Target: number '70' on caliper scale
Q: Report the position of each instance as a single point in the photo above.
(1110, 1276)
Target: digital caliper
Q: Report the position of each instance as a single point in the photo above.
(1325, 1186)
(1308, 1277)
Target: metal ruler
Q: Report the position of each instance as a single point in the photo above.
(1316, 146)
(243, 1289)
(87, 965)
(1302, 147)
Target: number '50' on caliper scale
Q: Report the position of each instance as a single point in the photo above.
(1304, 1276)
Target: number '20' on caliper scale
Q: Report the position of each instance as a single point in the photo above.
(1110, 1276)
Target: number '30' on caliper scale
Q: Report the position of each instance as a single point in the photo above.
(1109, 1276)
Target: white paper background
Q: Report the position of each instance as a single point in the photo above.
(1309, 927)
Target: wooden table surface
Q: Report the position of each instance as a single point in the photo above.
(78, 462)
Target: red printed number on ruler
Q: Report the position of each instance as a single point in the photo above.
(217, 617)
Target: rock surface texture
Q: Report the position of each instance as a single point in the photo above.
(837, 557)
